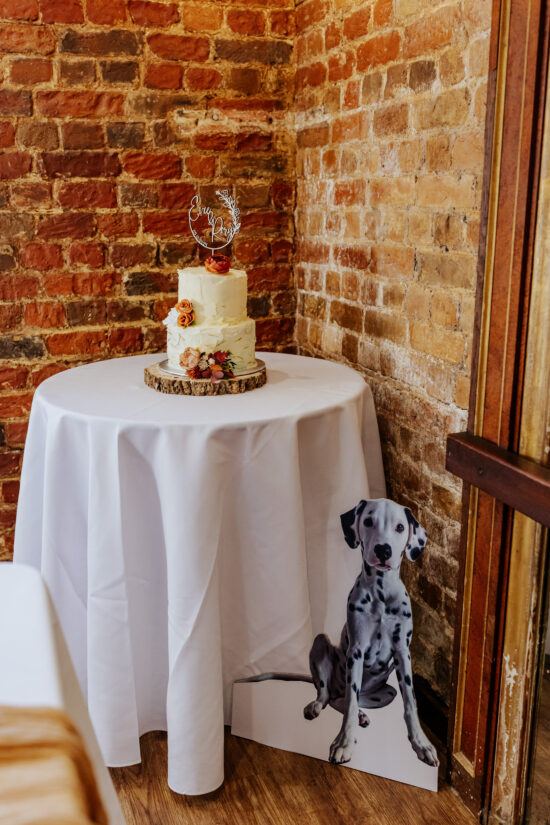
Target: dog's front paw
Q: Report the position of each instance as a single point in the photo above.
(313, 710)
(363, 718)
(341, 749)
(425, 750)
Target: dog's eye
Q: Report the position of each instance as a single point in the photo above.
(368, 522)
(400, 528)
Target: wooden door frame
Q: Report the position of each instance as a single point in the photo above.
(501, 548)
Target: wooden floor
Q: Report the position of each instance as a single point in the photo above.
(265, 786)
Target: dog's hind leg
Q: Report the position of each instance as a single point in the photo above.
(320, 663)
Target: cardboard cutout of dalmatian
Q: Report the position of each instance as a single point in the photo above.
(356, 674)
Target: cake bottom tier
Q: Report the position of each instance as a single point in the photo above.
(239, 339)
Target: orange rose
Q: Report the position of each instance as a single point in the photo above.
(185, 319)
(184, 306)
(190, 358)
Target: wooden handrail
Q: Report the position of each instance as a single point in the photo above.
(519, 482)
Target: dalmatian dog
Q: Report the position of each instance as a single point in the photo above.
(376, 637)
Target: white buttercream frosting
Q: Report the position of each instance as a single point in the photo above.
(221, 323)
(216, 298)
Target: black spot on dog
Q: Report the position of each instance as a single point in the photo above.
(398, 676)
(368, 522)
(351, 607)
(421, 542)
(356, 654)
(321, 684)
(395, 610)
(380, 595)
(415, 553)
(364, 601)
(367, 597)
(367, 652)
(354, 688)
(407, 679)
(378, 635)
(359, 609)
(406, 614)
(375, 698)
(368, 570)
(380, 574)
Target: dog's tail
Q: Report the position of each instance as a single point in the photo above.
(282, 677)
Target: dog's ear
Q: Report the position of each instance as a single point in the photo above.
(417, 537)
(350, 524)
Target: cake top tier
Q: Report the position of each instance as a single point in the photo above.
(215, 298)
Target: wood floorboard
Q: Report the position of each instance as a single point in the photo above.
(266, 786)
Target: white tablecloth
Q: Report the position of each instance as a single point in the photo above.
(181, 538)
(35, 668)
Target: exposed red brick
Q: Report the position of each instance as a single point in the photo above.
(106, 13)
(92, 342)
(314, 136)
(348, 127)
(152, 167)
(85, 195)
(176, 195)
(179, 47)
(163, 224)
(24, 39)
(378, 50)
(67, 225)
(14, 102)
(118, 225)
(282, 23)
(32, 70)
(357, 24)
(153, 14)
(41, 256)
(87, 254)
(46, 314)
(7, 134)
(10, 462)
(81, 164)
(163, 76)
(61, 11)
(82, 135)
(40, 374)
(201, 167)
(202, 17)
(349, 193)
(340, 66)
(13, 378)
(333, 36)
(198, 79)
(213, 141)
(19, 9)
(14, 287)
(31, 194)
(309, 13)
(126, 339)
(80, 104)
(246, 21)
(431, 32)
(14, 165)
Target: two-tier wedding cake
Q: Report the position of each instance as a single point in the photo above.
(210, 317)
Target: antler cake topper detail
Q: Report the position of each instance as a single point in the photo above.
(218, 230)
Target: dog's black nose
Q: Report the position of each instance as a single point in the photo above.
(382, 551)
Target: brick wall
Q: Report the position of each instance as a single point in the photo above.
(390, 108)
(112, 114)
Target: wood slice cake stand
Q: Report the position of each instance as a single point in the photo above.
(163, 379)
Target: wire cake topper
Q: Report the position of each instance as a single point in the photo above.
(218, 230)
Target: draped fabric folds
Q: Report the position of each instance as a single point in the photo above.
(181, 539)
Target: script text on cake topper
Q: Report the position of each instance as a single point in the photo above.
(218, 230)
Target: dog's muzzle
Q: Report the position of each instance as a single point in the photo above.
(382, 552)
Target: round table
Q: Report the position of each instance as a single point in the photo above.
(190, 541)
